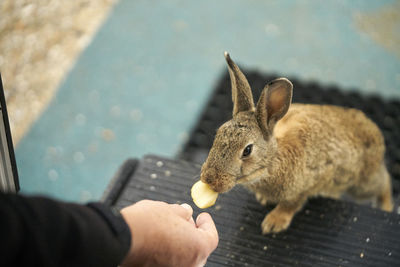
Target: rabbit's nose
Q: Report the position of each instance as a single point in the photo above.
(208, 180)
(213, 178)
(208, 176)
(218, 181)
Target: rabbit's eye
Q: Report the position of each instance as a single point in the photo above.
(247, 150)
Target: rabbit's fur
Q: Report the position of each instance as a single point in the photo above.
(298, 151)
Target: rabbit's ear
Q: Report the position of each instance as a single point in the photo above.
(241, 92)
(273, 104)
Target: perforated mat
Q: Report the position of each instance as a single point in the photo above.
(324, 233)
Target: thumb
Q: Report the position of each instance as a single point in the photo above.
(184, 210)
(205, 223)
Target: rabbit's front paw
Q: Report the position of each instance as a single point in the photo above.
(276, 222)
(261, 198)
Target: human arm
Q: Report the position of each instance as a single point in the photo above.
(38, 231)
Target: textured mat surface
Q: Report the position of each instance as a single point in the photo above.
(219, 109)
(324, 233)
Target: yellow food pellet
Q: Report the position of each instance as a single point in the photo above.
(203, 196)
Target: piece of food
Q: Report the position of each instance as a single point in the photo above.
(203, 196)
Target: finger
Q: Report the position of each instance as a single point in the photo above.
(206, 224)
(192, 221)
(185, 210)
(202, 264)
(187, 206)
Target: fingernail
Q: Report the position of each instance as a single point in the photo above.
(186, 206)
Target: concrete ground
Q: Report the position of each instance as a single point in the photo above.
(39, 42)
(140, 84)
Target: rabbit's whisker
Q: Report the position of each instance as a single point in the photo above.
(196, 176)
(246, 178)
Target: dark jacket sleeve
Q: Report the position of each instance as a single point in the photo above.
(37, 231)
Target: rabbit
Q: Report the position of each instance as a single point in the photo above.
(286, 153)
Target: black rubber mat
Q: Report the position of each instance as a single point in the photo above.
(324, 233)
(219, 109)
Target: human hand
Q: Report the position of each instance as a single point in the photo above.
(166, 235)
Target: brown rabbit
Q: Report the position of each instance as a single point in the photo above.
(287, 153)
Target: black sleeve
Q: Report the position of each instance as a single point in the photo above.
(37, 231)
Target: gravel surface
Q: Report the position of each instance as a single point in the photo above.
(39, 42)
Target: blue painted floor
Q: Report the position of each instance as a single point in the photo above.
(140, 85)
